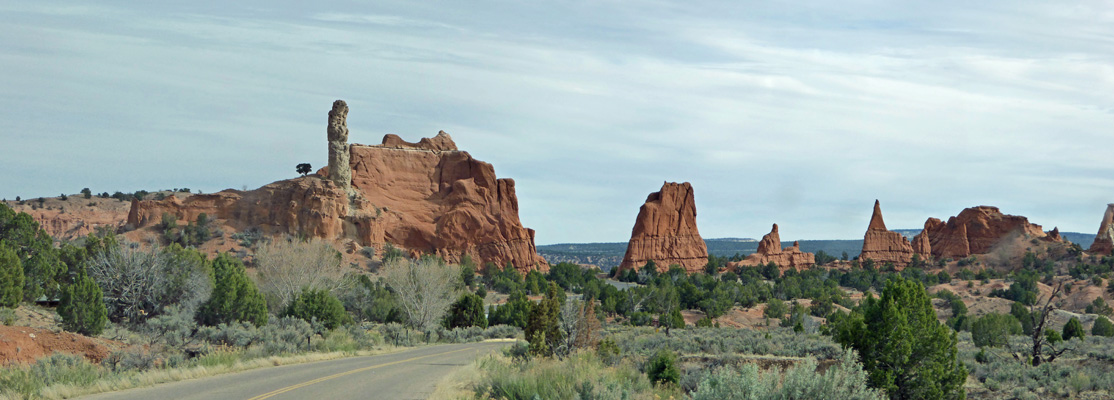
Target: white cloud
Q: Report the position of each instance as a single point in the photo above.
(797, 115)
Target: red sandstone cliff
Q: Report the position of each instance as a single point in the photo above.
(1104, 240)
(427, 197)
(975, 231)
(770, 251)
(885, 246)
(665, 231)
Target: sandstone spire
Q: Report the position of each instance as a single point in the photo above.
(884, 246)
(665, 231)
(876, 222)
(340, 172)
(770, 251)
(1104, 240)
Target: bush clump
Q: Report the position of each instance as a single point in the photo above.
(846, 380)
(320, 306)
(234, 298)
(82, 307)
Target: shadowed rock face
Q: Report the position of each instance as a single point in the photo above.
(975, 231)
(769, 250)
(665, 231)
(885, 246)
(426, 197)
(1104, 240)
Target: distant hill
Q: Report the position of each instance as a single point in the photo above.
(610, 255)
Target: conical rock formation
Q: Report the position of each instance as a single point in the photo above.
(884, 246)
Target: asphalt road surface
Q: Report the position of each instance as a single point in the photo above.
(410, 374)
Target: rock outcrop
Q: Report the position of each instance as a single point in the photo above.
(885, 246)
(770, 251)
(428, 198)
(975, 231)
(339, 171)
(1104, 240)
(665, 231)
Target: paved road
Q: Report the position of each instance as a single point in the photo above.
(411, 374)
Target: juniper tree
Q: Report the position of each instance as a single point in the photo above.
(904, 349)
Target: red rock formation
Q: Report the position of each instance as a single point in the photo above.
(1053, 235)
(975, 231)
(921, 245)
(67, 220)
(885, 246)
(770, 251)
(1104, 240)
(427, 197)
(665, 231)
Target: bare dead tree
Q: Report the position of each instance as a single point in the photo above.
(286, 266)
(425, 288)
(1043, 349)
(137, 283)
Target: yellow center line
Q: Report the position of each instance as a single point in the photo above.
(322, 379)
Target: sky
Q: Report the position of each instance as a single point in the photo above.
(796, 113)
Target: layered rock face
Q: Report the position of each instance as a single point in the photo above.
(665, 231)
(339, 171)
(427, 197)
(770, 251)
(885, 246)
(975, 231)
(1104, 240)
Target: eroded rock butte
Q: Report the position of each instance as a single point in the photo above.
(427, 197)
(976, 230)
(1104, 240)
(883, 245)
(665, 231)
(770, 251)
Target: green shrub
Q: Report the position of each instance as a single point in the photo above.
(465, 312)
(82, 307)
(1102, 327)
(1073, 329)
(319, 305)
(994, 330)
(905, 350)
(845, 380)
(662, 368)
(11, 277)
(234, 298)
(776, 309)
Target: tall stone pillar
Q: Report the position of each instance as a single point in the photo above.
(340, 172)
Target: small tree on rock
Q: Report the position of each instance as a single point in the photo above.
(303, 168)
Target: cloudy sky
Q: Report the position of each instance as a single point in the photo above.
(799, 113)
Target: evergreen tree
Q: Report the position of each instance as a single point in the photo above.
(1103, 327)
(318, 305)
(234, 298)
(1073, 329)
(82, 307)
(42, 269)
(465, 312)
(543, 329)
(994, 330)
(904, 349)
(11, 277)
